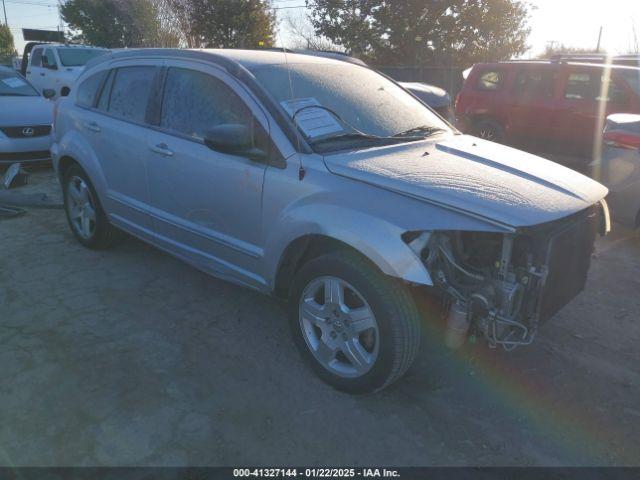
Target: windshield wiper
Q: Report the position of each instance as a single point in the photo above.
(423, 130)
(346, 136)
(15, 95)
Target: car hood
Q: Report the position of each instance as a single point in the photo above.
(17, 111)
(481, 178)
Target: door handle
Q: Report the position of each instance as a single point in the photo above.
(162, 149)
(93, 126)
(42, 74)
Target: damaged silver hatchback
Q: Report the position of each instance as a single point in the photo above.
(324, 183)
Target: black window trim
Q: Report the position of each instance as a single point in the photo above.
(274, 156)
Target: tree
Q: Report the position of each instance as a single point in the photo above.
(226, 23)
(116, 23)
(304, 37)
(7, 47)
(554, 48)
(424, 32)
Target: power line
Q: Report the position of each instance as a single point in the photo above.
(30, 2)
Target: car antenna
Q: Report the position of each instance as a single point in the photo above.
(301, 171)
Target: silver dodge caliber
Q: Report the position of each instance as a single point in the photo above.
(327, 184)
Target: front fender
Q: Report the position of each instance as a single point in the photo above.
(378, 240)
(369, 219)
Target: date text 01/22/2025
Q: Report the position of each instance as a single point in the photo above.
(316, 472)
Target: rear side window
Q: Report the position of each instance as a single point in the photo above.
(632, 77)
(591, 85)
(36, 57)
(194, 102)
(535, 83)
(490, 80)
(581, 86)
(130, 92)
(88, 89)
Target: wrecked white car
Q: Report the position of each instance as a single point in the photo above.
(326, 184)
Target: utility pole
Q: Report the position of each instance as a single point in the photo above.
(4, 8)
(60, 24)
(599, 38)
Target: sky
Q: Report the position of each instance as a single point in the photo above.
(574, 23)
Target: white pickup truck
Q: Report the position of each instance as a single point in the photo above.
(56, 66)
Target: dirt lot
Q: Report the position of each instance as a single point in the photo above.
(130, 357)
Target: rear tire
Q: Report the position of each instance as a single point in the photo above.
(489, 130)
(85, 215)
(367, 338)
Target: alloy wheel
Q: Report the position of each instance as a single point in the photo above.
(339, 327)
(488, 134)
(81, 208)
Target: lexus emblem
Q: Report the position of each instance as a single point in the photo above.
(28, 132)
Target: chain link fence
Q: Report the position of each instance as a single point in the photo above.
(448, 78)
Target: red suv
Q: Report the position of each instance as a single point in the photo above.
(545, 105)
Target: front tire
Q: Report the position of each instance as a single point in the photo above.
(489, 130)
(85, 215)
(356, 327)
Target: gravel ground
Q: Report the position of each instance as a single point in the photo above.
(130, 357)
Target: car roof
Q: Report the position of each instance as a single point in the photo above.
(527, 63)
(248, 59)
(68, 45)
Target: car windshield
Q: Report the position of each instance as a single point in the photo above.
(356, 104)
(78, 57)
(13, 85)
(632, 77)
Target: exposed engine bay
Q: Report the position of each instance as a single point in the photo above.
(501, 286)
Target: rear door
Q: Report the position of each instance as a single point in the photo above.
(588, 95)
(207, 204)
(118, 128)
(532, 106)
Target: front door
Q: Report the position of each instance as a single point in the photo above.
(36, 73)
(207, 204)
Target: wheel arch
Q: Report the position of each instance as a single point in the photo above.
(73, 149)
(300, 251)
(399, 262)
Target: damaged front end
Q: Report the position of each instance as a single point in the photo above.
(501, 286)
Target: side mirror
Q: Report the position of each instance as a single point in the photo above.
(48, 93)
(234, 139)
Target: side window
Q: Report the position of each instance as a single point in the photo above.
(194, 102)
(88, 89)
(105, 94)
(36, 57)
(49, 59)
(581, 86)
(535, 83)
(615, 93)
(130, 92)
(490, 80)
